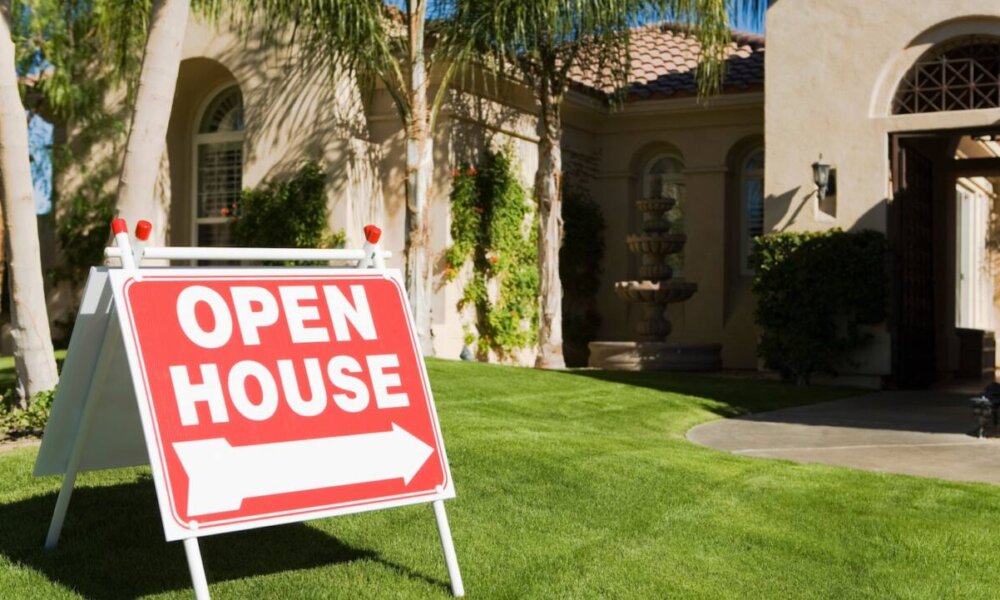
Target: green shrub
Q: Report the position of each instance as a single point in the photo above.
(286, 214)
(493, 226)
(814, 293)
(580, 271)
(17, 422)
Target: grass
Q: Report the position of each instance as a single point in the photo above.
(570, 485)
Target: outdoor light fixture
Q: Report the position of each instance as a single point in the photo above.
(821, 177)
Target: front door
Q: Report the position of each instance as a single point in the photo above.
(912, 239)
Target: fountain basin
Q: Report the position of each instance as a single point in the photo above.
(654, 214)
(659, 292)
(655, 204)
(656, 243)
(655, 356)
(655, 270)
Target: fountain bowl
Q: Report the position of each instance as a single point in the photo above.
(655, 204)
(657, 244)
(655, 356)
(654, 214)
(659, 292)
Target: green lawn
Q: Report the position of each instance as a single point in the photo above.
(570, 485)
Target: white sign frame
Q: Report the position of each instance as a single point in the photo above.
(88, 398)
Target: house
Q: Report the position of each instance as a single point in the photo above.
(903, 104)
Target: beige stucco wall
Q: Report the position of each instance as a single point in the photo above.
(832, 71)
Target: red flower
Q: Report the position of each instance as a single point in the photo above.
(224, 211)
(492, 258)
(454, 172)
(472, 170)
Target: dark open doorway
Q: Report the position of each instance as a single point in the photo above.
(942, 310)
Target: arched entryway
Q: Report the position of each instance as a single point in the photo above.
(944, 191)
(206, 144)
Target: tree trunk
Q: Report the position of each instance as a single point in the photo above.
(419, 163)
(33, 357)
(148, 132)
(548, 191)
(160, 209)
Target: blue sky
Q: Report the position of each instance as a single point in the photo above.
(39, 147)
(749, 23)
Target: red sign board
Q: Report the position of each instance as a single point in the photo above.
(276, 396)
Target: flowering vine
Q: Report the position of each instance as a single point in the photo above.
(493, 227)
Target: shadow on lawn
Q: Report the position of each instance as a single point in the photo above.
(112, 546)
(927, 411)
(728, 396)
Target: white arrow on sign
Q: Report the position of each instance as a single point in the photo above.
(222, 476)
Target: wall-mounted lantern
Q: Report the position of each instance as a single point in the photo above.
(821, 177)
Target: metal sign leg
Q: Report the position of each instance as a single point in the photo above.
(197, 568)
(448, 547)
(83, 430)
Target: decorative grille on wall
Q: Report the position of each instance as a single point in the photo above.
(225, 113)
(958, 75)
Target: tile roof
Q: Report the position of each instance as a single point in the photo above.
(664, 59)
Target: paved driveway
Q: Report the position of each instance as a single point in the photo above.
(923, 433)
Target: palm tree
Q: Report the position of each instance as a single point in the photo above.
(541, 43)
(154, 98)
(33, 358)
(379, 42)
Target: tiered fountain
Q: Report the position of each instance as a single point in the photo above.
(653, 292)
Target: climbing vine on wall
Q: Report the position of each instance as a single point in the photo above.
(493, 227)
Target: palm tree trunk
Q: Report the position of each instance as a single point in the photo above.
(548, 181)
(419, 162)
(148, 132)
(33, 358)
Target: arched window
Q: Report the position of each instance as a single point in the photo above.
(962, 74)
(664, 178)
(751, 204)
(218, 166)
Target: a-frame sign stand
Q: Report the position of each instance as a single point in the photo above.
(117, 408)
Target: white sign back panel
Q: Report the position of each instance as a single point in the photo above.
(115, 439)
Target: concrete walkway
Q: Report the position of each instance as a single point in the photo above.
(925, 433)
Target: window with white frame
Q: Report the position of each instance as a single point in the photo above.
(664, 178)
(751, 205)
(218, 167)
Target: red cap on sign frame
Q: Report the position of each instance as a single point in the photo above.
(143, 229)
(372, 234)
